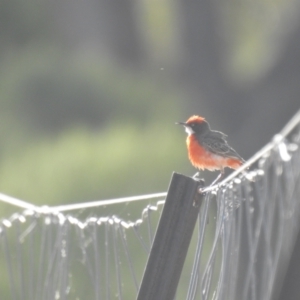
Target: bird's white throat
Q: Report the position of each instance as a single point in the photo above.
(189, 130)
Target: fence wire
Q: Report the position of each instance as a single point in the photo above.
(255, 226)
(240, 250)
(57, 256)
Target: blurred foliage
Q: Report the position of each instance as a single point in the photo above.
(254, 32)
(83, 165)
(45, 87)
(76, 125)
(78, 130)
(158, 23)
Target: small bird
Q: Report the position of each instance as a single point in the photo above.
(208, 149)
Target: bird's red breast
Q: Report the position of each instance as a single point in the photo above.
(204, 159)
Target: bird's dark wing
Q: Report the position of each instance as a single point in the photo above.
(219, 146)
(218, 134)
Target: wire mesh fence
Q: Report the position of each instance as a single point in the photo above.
(57, 256)
(256, 224)
(245, 234)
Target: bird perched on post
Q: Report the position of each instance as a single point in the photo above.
(208, 149)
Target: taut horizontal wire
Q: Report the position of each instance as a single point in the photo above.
(68, 207)
(18, 202)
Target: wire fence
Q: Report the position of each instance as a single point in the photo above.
(245, 235)
(57, 256)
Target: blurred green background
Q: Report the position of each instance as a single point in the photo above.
(90, 90)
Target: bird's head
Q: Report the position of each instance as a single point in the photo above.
(195, 125)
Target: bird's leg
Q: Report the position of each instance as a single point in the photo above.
(197, 175)
(218, 178)
(210, 187)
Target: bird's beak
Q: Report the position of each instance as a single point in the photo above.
(181, 123)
